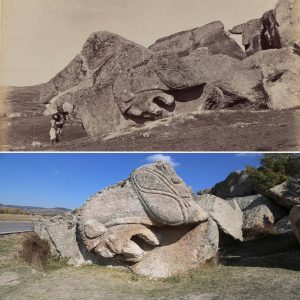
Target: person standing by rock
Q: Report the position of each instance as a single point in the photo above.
(58, 120)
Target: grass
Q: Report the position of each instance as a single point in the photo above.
(211, 131)
(12, 217)
(232, 281)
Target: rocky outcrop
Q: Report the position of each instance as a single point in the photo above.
(228, 218)
(295, 220)
(149, 223)
(236, 184)
(286, 194)
(251, 33)
(180, 251)
(124, 83)
(287, 14)
(61, 233)
(212, 36)
(259, 214)
(276, 29)
(113, 83)
(281, 76)
(283, 225)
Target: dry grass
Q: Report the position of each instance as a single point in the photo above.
(213, 131)
(35, 251)
(211, 282)
(12, 217)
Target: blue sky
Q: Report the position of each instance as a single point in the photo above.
(67, 180)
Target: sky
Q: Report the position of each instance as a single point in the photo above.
(40, 37)
(69, 179)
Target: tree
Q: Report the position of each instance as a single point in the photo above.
(274, 169)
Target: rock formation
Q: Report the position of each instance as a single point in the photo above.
(115, 83)
(229, 218)
(259, 214)
(286, 194)
(295, 220)
(212, 36)
(265, 214)
(236, 184)
(152, 223)
(276, 29)
(149, 223)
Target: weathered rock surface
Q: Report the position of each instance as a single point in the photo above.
(149, 223)
(212, 36)
(281, 76)
(251, 33)
(259, 214)
(61, 233)
(286, 194)
(117, 83)
(180, 251)
(287, 14)
(295, 220)
(283, 225)
(228, 218)
(114, 83)
(125, 222)
(236, 184)
(276, 29)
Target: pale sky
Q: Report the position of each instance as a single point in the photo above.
(40, 37)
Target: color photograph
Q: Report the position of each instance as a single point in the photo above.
(150, 226)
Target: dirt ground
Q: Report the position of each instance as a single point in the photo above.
(211, 131)
(252, 271)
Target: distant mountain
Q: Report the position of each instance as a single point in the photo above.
(39, 210)
(23, 93)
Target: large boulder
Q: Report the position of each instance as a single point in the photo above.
(87, 81)
(114, 83)
(149, 223)
(251, 35)
(180, 251)
(281, 76)
(283, 226)
(228, 218)
(212, 36)
(276, 29)
(236, 184)
(286, 194)
(287, 14)
(295, 220)
(259, 214)
(62, 235)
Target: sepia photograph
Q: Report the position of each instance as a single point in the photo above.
(150, 226)
(138, 75)
(149, 149)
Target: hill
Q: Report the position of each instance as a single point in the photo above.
(39, 210)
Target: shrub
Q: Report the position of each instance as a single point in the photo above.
(14, 211)
(274, 169)
(35, 251)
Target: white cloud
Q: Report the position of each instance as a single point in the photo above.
(161, 157)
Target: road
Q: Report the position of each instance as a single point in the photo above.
(13, 226)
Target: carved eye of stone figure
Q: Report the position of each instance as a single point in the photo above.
(155, 191)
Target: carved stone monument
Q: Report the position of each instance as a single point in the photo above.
(149, 223)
